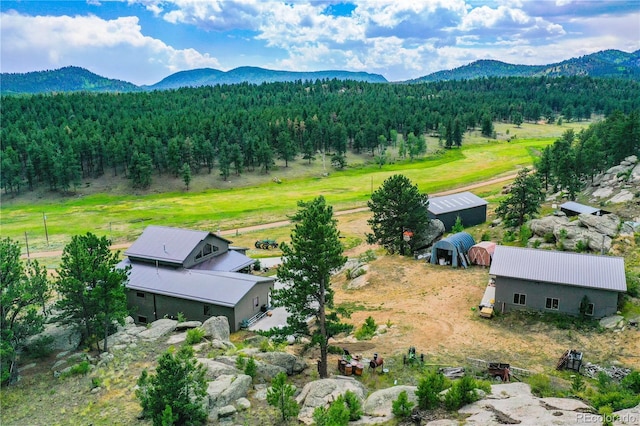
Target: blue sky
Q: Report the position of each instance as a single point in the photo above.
(143, 41)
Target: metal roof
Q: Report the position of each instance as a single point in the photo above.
(454, 202)
(575, 269)
(167, 244)
(217, 288)
(578, 208)
(230, 261)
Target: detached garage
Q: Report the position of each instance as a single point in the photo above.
(452, 250)
(571, 208)
(471, 209)
(555, 281)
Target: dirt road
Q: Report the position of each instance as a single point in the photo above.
(124, 246)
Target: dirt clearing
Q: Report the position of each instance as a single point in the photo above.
(434, 308)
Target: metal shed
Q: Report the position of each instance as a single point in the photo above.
(571, 208)
(471, 209)
(452, 250)
(482, 253)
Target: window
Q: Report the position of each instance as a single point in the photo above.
(206, 250)
(140, 294)
(207, 309)
(142, 320)
(552, 303)
(590, 309)
(519, 299)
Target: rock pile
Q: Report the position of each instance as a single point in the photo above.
(592, 232)
(616, 373)
(619, 183)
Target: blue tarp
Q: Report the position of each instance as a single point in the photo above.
(453, 249)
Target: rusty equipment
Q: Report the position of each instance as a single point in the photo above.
(499, 371)
(376, 362)
(266, 244)
(570, 360)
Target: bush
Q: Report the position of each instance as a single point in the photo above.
(632, 382)
(194, 335)
(525, 234)
(462, 392)
(367, 256)
(257, 266)
(582, 246)
(336, 415)
(367, 330)
(354, 405)
(401, 407)
(251, 368)
(540, 385)
(180, 382)
(549, 238)
(40, 347)
(457, 226)
(78, 369)
(181, 317)
(429, 389)
(280, 395)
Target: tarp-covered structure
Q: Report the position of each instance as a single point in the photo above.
(452, 250)
(482, 253)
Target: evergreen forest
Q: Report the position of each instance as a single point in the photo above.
(56, 140)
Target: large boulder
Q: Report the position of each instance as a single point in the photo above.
(227, 389)
(216, 369)
(546, 225)
(159, 328)
(217, 328)
(321, 393)
(65, 337)
(379, 403)
(291, 363)
(433, 233)
(607, 224)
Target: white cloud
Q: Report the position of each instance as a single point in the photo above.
(94, 43)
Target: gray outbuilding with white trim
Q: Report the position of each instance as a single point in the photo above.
(554, 281)
(471, 209)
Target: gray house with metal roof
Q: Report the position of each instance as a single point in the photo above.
(195, 273)
(471, 209)
(553, 281)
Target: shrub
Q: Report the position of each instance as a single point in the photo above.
(251, 368)
(367, 256)
(582, 246)
(486, 236)
(577, 384)
(524, 234)
(462, 392)
(336, 415)
(181, 317)
(354, 405)
(401, 407)
(280, 395)
(40, 347)
(549, 238)
(335, 350)
(257, 265)
(367, 330)
(632, 382)
(194, 335)
(607, 415)
(429, 389)
(78, 369)
(457, 226)
(180, 382)
(540, 385)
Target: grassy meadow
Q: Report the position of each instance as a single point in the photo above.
(251, 201)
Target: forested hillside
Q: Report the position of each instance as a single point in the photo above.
(56, 140)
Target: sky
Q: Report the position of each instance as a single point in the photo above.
(144, 41)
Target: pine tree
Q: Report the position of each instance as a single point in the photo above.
(397, 207)
(280, 395)
(314, 254)
(523, 200)
(180, 383)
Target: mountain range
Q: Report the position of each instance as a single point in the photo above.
(604, 64)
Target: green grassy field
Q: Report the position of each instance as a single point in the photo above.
(123, 217)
